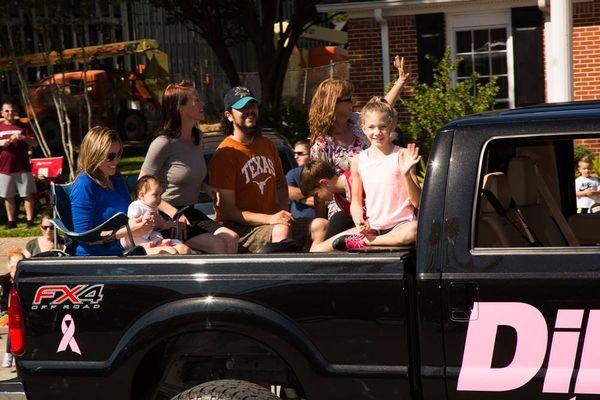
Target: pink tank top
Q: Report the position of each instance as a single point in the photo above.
(386, 197)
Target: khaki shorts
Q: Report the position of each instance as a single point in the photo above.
(21, 181)
(253, 238)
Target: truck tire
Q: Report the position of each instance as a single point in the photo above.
(226, 389)
(132, 125)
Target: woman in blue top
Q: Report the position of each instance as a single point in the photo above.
(99, 191)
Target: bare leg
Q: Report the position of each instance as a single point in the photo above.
(182, 248)
(29, 208)
(326, 246)
(318, 228)
(11, 208)
(400, 235)
(160, 249)
(280, 232)
(231, 239)
(208, 243)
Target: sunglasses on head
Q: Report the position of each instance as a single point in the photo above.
(46, 227)
(111, 156)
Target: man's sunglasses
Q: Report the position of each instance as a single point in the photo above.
(46, 227)
(300, 153)
(113, 155)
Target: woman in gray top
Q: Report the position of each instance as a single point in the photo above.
(176, 158)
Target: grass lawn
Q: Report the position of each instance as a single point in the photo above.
(21, 230)
(133, 158)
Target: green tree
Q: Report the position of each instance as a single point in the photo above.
(223, 23)
(432, 107)
(53, 21)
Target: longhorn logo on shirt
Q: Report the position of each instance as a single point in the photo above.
(255, 166)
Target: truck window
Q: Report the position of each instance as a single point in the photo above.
(527, 194)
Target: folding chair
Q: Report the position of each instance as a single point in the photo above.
(63, 222)
(49, 168)
(46, 171)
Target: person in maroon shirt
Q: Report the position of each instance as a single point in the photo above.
(15, 170)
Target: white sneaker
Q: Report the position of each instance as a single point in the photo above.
(8, 360)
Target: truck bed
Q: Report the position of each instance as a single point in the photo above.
(342, 311)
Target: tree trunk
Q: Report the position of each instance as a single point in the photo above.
(225, 60)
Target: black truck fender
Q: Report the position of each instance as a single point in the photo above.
(260, 324)
(168, 322)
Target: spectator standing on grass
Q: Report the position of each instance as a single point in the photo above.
(16, 139)
(45, 242)
(247, 172)
(335, 132)
(176, 158)
(300, 205)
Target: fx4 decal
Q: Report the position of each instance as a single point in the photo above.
(64, 297)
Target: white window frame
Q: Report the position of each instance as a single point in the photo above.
(486, 20)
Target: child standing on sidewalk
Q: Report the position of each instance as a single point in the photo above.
(386, 174)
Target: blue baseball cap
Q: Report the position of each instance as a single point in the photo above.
(237, 97)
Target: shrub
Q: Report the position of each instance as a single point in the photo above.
(290, 120)
(432, 107)
(581, 152)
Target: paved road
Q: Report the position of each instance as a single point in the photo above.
(5, 373)
(5, 244)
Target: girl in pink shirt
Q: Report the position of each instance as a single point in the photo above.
(386, 174)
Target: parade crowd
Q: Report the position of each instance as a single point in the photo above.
(353, 188)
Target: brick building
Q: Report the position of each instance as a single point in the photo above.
(509, 39)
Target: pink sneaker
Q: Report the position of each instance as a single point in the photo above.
(349, 242)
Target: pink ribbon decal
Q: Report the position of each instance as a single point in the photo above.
(68, 340)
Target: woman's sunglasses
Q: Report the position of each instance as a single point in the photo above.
(113, 155)
(345, 100)
(46, 227)
(300, 153)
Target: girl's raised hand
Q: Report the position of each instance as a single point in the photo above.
(402, 75)
(408, 158)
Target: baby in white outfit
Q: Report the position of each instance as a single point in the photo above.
(148, 191)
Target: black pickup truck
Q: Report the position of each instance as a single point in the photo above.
(499, 299)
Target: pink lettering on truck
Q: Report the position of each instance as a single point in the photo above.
(477, 373)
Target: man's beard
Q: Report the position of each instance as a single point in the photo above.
(250, 132)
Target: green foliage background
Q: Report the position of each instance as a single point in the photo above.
(432, 106)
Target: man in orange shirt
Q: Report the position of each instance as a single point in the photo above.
(247, 172)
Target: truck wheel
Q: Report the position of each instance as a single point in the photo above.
(132, 125)
(227, 389)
